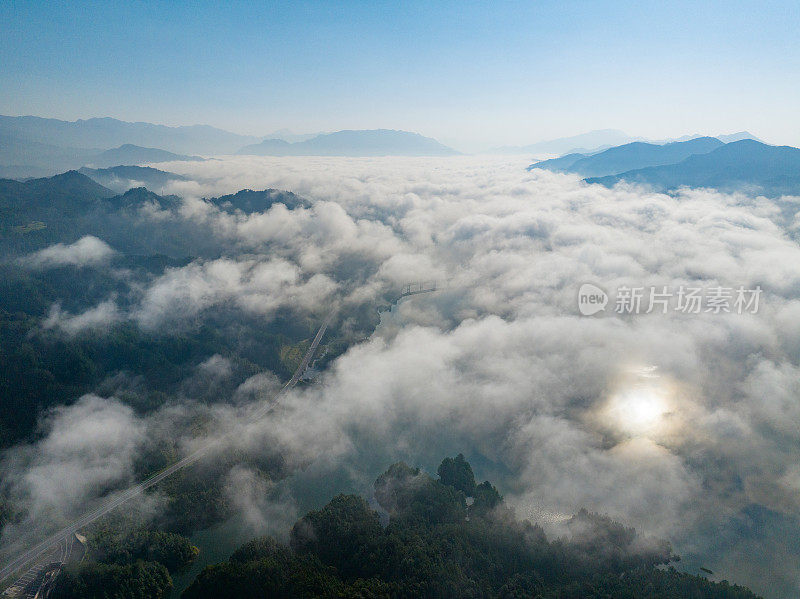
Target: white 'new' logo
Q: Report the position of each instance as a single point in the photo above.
(591, 299)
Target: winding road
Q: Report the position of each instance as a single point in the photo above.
(42, 548)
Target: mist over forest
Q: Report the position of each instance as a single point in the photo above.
(393, 301)
(159, 322)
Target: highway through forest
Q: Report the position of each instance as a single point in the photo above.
(40, 549)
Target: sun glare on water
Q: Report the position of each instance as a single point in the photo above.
(638, 410)
(641, 406)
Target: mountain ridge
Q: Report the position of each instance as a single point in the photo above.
(121, 178)
(354, 142)
(628, 157)
(63, 208)
(593, 142)
(131, 154)
(745, 165)
(562, 145)
(108, 132)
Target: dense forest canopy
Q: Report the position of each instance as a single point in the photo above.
(77, 260)
(429, 537)
(105, 251)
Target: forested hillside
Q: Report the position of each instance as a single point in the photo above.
(73, 247)
(450, 537)
(82, 268)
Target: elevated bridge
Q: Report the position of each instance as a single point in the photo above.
(416, 288)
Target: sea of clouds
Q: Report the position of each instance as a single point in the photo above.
(497, 363)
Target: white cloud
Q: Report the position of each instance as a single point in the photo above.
(498, 362)
(99, 317)
(88, 446)
(256, 286)
(88, 250)
(216, 366)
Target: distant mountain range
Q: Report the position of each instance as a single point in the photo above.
(373, 142)
(35, 147)
(603, 139)
(290, 136)
(131, 154)
(103, 133)
(107, 149)
(747, 165)
(629, 156)
(38, 147)
(724, 138)
(22, 159)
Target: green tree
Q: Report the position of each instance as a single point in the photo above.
(457, 473)
(486, 498)
(142, 580)
(345, 534)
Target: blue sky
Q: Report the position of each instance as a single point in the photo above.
(467, 73)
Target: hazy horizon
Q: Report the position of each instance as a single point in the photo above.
(284, 132)
(471, 79)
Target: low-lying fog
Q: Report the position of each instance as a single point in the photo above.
(685, 425)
